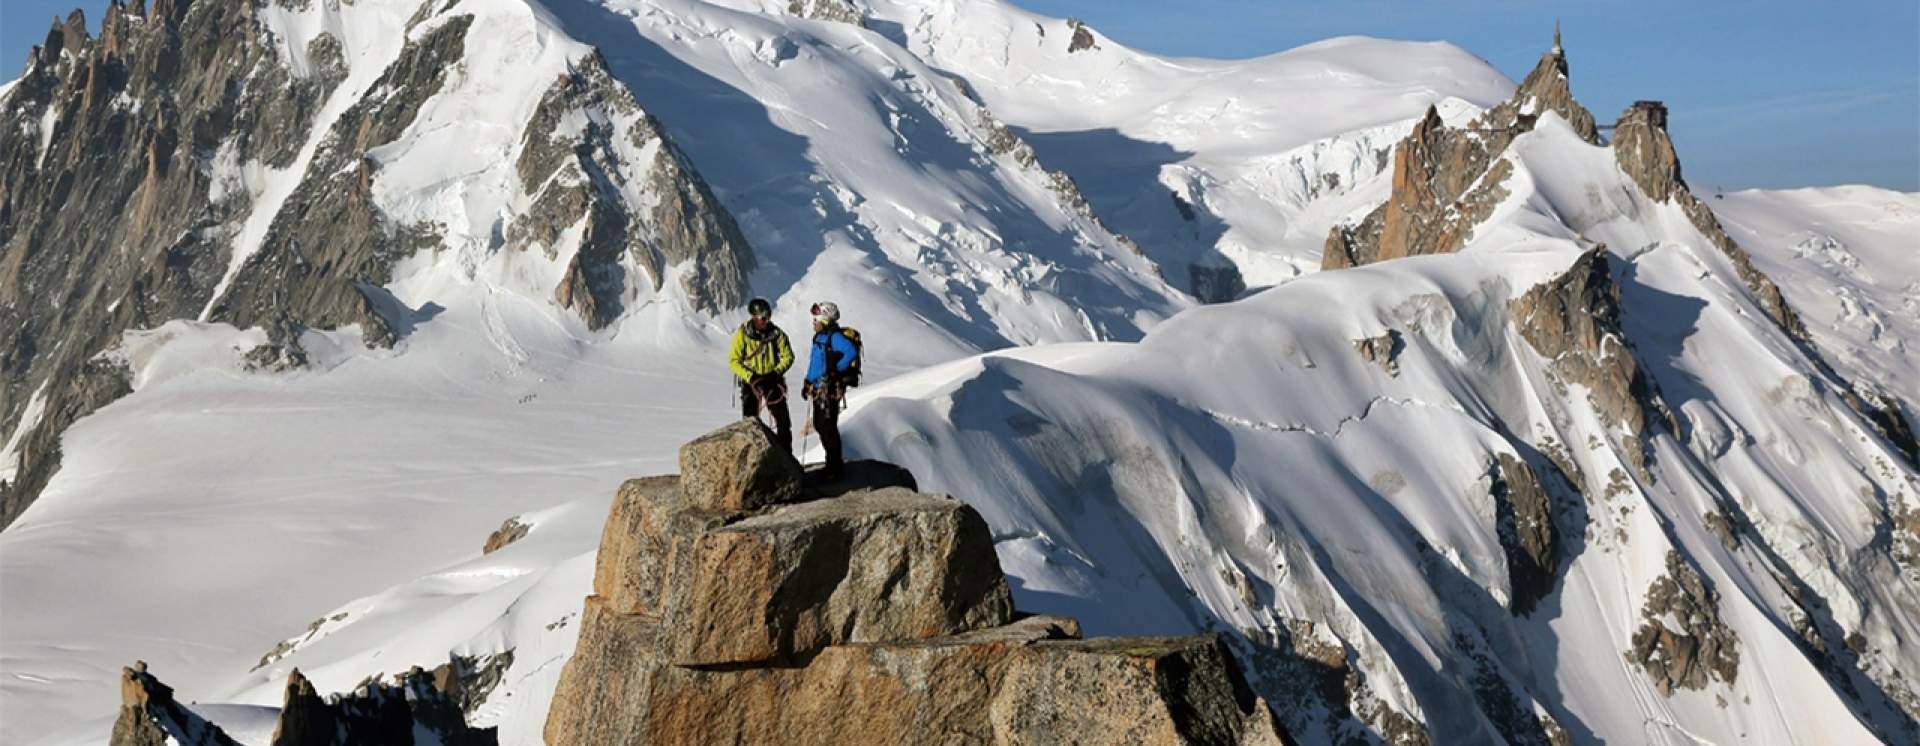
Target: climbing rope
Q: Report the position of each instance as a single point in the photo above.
(767, 400)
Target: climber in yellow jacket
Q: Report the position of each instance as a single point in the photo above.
(760, 358)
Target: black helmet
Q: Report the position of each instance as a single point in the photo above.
(759, 307)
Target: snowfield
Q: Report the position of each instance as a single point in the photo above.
(1242, 469)
(1264, 155)
(1147, 464)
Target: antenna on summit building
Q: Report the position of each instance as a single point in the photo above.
(1556, 37)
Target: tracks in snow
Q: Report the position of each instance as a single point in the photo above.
(1245, 423)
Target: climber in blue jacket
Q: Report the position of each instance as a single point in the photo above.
(834, 366)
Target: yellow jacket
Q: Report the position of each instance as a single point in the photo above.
(752, 358)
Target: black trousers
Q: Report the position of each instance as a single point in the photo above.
(826, 422)
(775, 390)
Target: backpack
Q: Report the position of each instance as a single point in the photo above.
(852, 377)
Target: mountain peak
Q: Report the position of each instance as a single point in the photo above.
(1447, 180)
(1548, 88)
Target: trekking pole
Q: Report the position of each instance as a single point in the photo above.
(806, 436)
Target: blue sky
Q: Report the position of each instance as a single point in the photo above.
(1764, 93)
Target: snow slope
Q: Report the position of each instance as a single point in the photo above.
(1266, 154)
(1243, 469)
(252, 504)
(860, 173)
(1240, 468)
(1848, 258)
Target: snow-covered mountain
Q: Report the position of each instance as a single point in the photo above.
(1228, 173)
(334, 165)
(390, 273)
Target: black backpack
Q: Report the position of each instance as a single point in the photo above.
(852, 376)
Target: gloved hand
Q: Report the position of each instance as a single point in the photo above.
(806, 390)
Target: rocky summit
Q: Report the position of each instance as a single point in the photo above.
(863, 613)
(417, 707)
(149, 716)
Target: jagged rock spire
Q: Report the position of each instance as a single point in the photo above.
(1547, 88)
(149, 715)
(374, 712)
(1446, 180)
(1645, 151)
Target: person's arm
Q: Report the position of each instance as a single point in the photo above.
(844, 349)
(816, 363)
(736, 358)
(784, 352)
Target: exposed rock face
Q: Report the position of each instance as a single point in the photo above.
(375, 714)
(149, 716)
(1447, 180)
(1529, 534)
(995, 686)
(876, 565)
(589, 143)
(329, 243)
(1574, 322)
(645, 543)
(873, 615)
(1905, 520)
(467, 680)
(281, 649)
(738, 467)
(1546, 88)
(1215, 284)
(1322, 688)
(1514, 715)
(93, 384)
(1702, 649)
(841, 11)
(120, 205)
(1645, 152)
(645, 538)
(106, 216)
(417, 707)
(510, 531)
(1886, 415)
(1383, 350)
(1082, 37)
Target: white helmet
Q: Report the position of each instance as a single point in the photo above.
(826, 312)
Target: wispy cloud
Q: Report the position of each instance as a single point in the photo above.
(1803, 103)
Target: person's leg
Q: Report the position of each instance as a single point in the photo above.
(749, 404)
(826, 421)
(783, 424)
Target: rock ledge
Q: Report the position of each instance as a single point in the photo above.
(724, 612)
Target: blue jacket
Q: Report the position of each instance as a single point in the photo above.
(841, 347)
